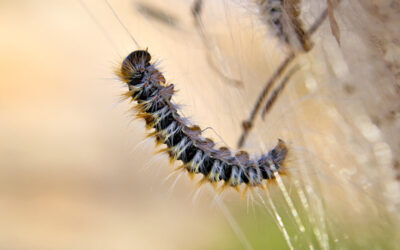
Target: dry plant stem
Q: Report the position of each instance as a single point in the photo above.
(271, 100)
(292, 9)
(248, 124)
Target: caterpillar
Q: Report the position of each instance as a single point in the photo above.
(148, 87)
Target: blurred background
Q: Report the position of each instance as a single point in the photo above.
(76, 171)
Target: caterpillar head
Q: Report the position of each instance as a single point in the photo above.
(134, 64)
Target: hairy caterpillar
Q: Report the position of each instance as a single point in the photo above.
(70, 172)
(184, 142)
(137, 71)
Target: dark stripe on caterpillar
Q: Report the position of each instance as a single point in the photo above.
(147, 86)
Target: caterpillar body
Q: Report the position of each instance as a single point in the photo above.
(148, 87)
